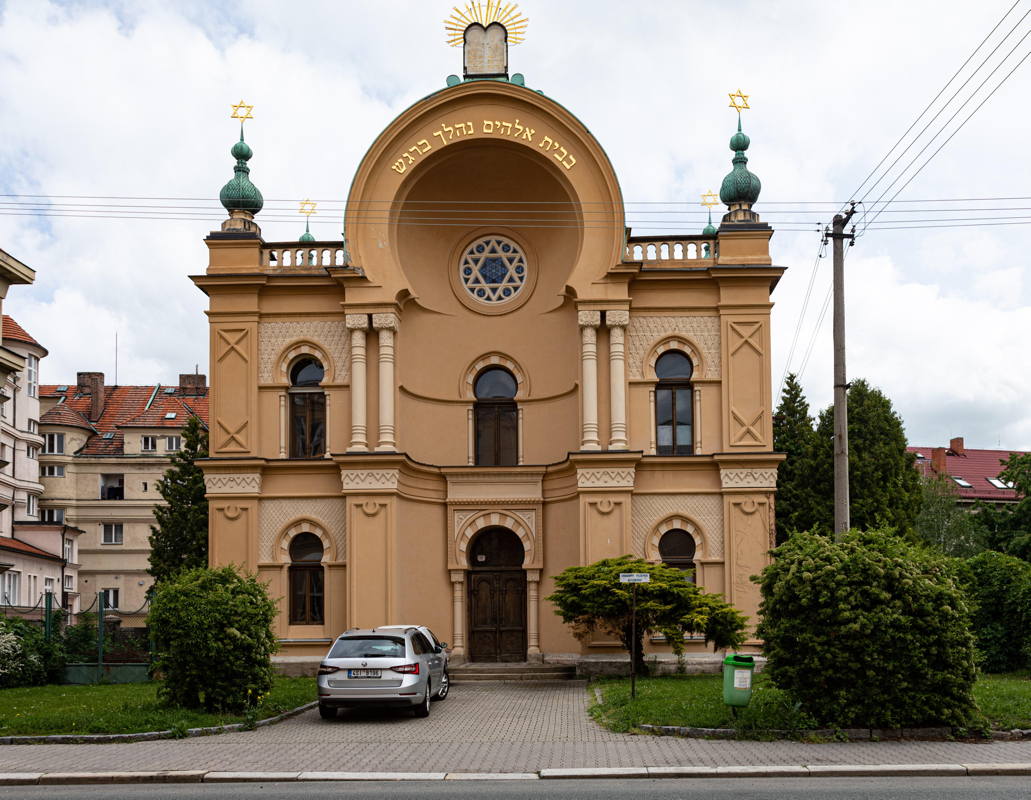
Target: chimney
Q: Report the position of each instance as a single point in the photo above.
(192, 384)
(938, 464)
(92, 383)
(956, 446)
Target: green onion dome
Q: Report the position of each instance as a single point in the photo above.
(307, 236)
(240, 194)
(740, 185)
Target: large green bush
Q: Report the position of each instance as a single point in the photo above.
(213, 639)
(999, 588)
(27, 657)
(868, 631)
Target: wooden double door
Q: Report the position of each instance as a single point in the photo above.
(496, 585)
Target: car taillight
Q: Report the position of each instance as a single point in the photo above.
(326, 669)
(407, 669)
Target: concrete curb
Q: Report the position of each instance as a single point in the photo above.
(743, 771)
(148, 736)
(846, 734)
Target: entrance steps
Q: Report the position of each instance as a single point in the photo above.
(482, 671)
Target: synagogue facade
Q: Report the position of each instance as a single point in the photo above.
(488, 380)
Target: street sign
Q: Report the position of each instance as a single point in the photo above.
(634, 577)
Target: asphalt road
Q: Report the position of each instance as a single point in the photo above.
(994, 788)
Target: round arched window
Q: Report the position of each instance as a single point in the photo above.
(495, 383)
(677, 549)
(307, 372)
(306, 547)
(674, 366)
(493, 270)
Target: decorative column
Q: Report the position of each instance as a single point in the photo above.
(589, 322)
(533, 636)
(697, 422)
(282, 424)
(651, 417)
(325, 432)
(458, 611)
(386, 324)
(617, 322)
(519, 431)
(472, 435)
(358, 324)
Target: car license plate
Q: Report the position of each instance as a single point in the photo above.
(363, 673)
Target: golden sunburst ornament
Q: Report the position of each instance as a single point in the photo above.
(710, 199)
(739, 101)
(242, 111)
(507, 14)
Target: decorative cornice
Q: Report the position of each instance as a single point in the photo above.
(356, 322)
(233, 483)
(385, 322)
(748, 478)
(474, 502)
(617, 319)
(367, 480)
(605, 478)
(588, 319)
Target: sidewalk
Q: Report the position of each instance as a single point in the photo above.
(481, 728)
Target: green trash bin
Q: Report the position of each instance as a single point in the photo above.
(737, 679)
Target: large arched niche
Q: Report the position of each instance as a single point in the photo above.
(451, 135)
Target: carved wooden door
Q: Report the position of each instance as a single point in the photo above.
(497, 615)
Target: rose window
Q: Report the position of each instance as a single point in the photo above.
(493, 269)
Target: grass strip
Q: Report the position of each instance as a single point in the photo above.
(126, 708)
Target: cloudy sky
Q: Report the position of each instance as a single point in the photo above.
(129, 101)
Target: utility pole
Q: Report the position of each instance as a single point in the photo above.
(841, 503)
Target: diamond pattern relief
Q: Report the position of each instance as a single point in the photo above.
(493, 269)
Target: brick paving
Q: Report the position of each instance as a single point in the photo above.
(481, 727)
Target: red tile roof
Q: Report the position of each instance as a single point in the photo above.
(12, 330)
(973, 466)
(17, 546)
(124, 407)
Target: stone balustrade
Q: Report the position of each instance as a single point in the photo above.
(670, 250)
(293, 255)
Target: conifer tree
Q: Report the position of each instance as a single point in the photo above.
(179, 541)
(793, 435)
(884, 487)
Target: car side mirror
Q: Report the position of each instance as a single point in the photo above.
(442, 647)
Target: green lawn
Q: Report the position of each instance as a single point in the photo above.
(124, 708)
(697, 701)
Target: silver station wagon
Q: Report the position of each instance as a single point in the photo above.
(382, 667)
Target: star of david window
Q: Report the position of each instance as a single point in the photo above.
(493, 269)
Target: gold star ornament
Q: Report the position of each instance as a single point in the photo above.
(308, 208)
(710, 199)
(507, 14)
(739, 101)
(242, 111)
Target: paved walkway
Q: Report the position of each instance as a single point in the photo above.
(481, 727)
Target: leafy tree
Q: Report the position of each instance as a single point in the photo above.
(1008, 525)
(213, 639)
(943, 524)
(884, 487)
(869, 631)
(999, 587)
(179, 541)
(591, 598)
(793, 435)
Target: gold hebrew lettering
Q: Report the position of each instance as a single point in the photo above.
(570, 164)
(509, 126)
(399, 166)
(545, 142)
(562, 155)
(519, 127)
(528, 134)
(421, 142)
(450, 131)
(460, 127)
(488, 126)
(412, 160)
(441, 135)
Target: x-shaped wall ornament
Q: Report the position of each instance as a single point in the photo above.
(233, 344)
(232, 435)
(748, 428)
(747, 337)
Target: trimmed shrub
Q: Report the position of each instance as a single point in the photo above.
(870, 631)
(213, 639)
(999, 589)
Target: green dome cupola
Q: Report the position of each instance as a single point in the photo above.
(740, 186)
(239, 194)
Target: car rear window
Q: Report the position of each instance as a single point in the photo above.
(368, 647)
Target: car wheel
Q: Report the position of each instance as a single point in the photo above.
(327, 712)
(445, 685)
(423, 709)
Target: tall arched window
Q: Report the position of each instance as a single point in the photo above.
(307, 409)
(673, 416)
(677, 549)
(497, 422)
(307, 581)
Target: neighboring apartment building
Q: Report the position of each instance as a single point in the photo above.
(973, 473)
(105, 447)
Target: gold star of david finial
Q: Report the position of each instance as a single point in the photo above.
(739, 101)
(308, 208)
(710, 199)
(242, 111)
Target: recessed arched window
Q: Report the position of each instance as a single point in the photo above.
(307, 580)
(673, 405)
(497, 418)
(677, 549)
(307, 409)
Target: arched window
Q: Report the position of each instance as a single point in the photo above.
(307, 409)
(497, 422)
(676, 549)
(673, 406)
(307, 581)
